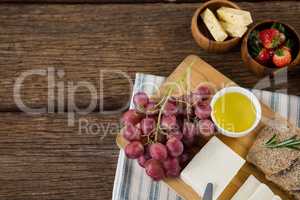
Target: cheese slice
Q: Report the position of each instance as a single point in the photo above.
(235, 16)
(234, 30)
(216, 163)
(247, 189)
(276, 197)
(263, 192)
(213, 25)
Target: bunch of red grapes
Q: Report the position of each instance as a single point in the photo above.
(162, 134)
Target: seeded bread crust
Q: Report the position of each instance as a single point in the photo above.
(272, 161)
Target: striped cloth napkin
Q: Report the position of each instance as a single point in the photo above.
(131, 181)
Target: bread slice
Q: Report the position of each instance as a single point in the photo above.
(288, 179)
(273, 161)
(281, 165)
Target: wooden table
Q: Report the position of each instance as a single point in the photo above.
(41, 157)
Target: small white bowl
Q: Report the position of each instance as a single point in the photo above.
(251, 97)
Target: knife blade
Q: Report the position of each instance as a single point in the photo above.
(208, 194)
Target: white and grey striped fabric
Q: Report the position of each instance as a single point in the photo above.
(131, 182)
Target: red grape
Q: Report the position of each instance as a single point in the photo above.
(130, 133)
(134, 150)
(140, 100)
(172, 167)
(175, 147)
(148, 125)
(142, 161)
(154, 169)
(170, 163)
(181, 108)
(184, 159)
(138, 125)
(203, 110)
(158, 151)
(179, 120)
(184, 107)
(144, 158)
(204, 92)
(189, 111)
(131, 117)
(162, 138)
(207, 128)
(151, 108)
(169, 122)
(174, 172)
(170, 108)
(176, 134)
(189, 129)
(189, 132)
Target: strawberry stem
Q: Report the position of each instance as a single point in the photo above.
(279, 52)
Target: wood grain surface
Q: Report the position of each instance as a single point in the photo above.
(40, 156)
(83, 39)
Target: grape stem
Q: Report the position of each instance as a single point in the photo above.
(166, 98)
(160, 113)
(185, 102)
(160, 102)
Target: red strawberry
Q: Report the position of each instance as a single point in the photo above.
(263, 56)
(282, 57)
(270, 38)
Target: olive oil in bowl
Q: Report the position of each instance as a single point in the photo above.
(235, 111)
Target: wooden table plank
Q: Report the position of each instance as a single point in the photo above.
(42, 158)
(83, 39)
(117, 1)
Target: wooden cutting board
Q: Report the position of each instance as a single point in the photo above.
(203, 72)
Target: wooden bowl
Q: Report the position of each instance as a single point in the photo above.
(259, 69)
(202, 35)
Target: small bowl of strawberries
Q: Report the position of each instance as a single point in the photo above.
(269, 46)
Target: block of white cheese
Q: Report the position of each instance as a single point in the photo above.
(215, 163)
(213, 25)
(234, 30)
(263, 192)
(247, 189)
(235, 16)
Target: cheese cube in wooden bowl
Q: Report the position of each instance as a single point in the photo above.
(210, 29)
